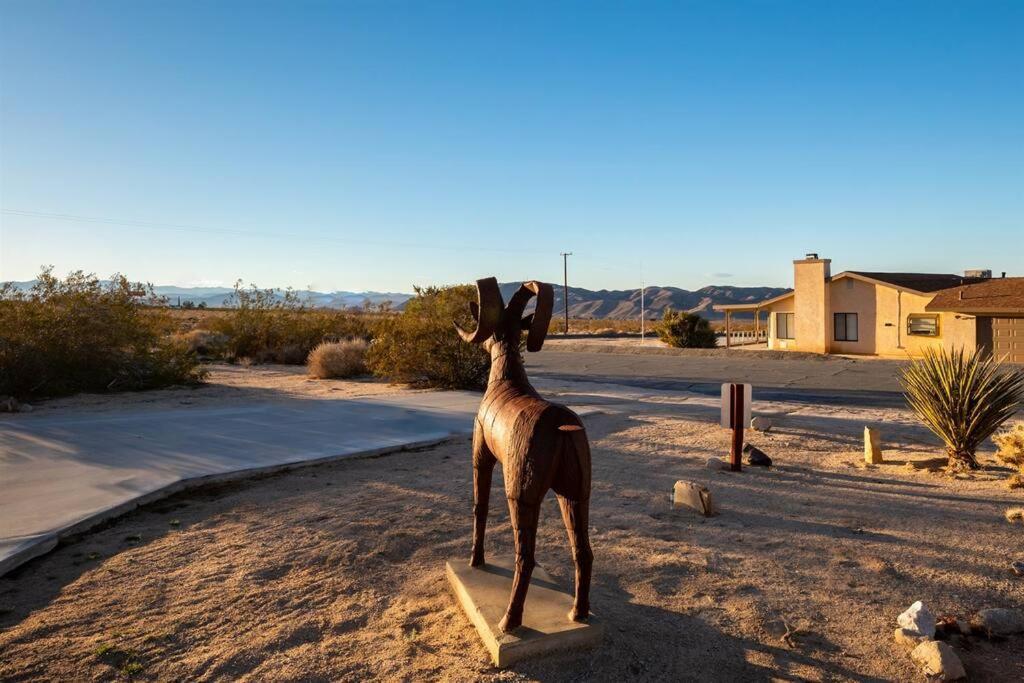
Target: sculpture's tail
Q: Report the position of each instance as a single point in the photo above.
(577, 455)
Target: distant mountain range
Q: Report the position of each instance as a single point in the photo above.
(622, 304)
(583, 303)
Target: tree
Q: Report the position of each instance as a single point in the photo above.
(686, 330)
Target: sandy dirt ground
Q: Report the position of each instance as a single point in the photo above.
(225, 383)
(336, 572)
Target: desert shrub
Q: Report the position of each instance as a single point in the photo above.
(79, 334)
(1011, 446)
(205, 343)
(686, 331)
(963, 398)
(338, 359)
(271, 327)
(420, 345)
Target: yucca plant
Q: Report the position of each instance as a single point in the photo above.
(963, 398)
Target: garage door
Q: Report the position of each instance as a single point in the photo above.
(1008, 339)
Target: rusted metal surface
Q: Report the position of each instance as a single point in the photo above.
(541, 445)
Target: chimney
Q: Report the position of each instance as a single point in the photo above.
(811, 303)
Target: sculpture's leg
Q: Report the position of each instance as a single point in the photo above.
(483, 468)
(524, 518)
(576, 516)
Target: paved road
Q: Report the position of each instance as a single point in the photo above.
(65, 472)
(833, 381)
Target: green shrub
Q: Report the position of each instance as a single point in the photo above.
(963, 398)
(686, 331)
(204, 343)
(421, 347)
(79, 334)
(267, 328)
(338, 359)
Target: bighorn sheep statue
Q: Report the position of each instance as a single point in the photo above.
(541, 445)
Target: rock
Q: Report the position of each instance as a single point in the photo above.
(756, 457)
(909, 639)
(26, 408)
(716, 464)
(761, 423)
(1017, 567)
(9, 404)
(918, 618)
(999, 621)
(687, 494)
(938, 661)
(946, 627)
(872, 447)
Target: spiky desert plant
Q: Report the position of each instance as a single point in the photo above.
(963, 398)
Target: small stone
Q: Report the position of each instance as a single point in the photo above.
(26, 408)
(9, 404)
(909, 639)
(756, 457)
(1017, 567)
(716, 464)
(872, 447)
(999, 621)
(938, 660)
(761, 423)
(918, 618)
(687, 494)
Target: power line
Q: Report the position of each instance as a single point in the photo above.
(247, 233)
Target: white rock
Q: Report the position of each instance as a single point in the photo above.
(999, 621)
(761, 423)
(938, 661)
(918, 618)
(907, 638)
(716, 464)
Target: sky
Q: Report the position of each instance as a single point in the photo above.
(379, 145)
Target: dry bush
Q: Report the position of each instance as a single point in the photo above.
(338, 360)
(271, 327)
(79, 334)
(1015, 481)
(205, 343)
(1014, 515)
(1011, 446)
(420, 346)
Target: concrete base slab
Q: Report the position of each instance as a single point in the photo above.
(483, 593)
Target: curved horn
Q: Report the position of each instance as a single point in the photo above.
(542, 316)
(487, 312)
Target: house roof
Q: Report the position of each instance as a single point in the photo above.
(754, 306)
(918, 282)
(994, 295)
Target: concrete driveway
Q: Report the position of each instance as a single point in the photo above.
(64, 473)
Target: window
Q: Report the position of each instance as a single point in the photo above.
(920, 325)
(845, 326)
(784, 326)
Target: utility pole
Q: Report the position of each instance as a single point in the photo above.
(565, 273)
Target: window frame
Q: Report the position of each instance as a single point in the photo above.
(790, 325)
(933, 316)
(846, 327)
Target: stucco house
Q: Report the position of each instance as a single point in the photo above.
(892, 314)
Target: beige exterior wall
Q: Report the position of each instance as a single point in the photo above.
(882, 315)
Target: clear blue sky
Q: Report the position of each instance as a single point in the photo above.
(377, 145)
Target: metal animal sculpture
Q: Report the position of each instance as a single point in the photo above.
(541, 445)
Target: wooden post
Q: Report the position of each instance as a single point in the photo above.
(736, 451)
(728, 328)
(757, 325)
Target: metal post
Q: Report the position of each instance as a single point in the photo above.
(736, 451)
(642, 330)
(565, 274)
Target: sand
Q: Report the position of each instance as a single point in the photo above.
(336, 572)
